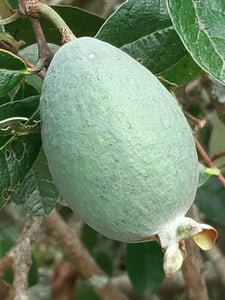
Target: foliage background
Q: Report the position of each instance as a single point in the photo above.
(183, 47)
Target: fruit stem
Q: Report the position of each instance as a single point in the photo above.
(35, 8)
(10, 19)
(50, 14)
(44, 52)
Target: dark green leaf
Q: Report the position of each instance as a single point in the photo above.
(22, 108)
(144, 263)
(203, 175)
(133, 20)
(144, 30)
(80, 22)
(104, 259)
(200, 25)
(4, 99)
(7, 239)
(98, 247)
(89, 237)
(37, 193)
(25, 90)
(182, 72)
(33, 275)
(152, 50)
(13, 4)
(30, 53)
(17, 153)
(12, 70)
(210, 199)
(84, 292)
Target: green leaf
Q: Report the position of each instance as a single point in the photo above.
(7, 239)
(13, 4)
(37, 193)
(12, 71)
(98, 247)
(133, 20)
(144, 30)
(84, 292)
(25, 90)
(205, 174)
(81, 22)
(104, 259)
(144, 263)
(89, 236)
(5, 9)
(210, 199)
(2, 28)
(17, 152)
(30, 53)
(203, 178)
(4, 99)
(152, 50)
(182, 72)
(33, 275)
(200, 25)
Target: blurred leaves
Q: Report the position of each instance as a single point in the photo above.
(84, 292)
(8, 238)
(98, 247)
(210, 199)
(144, 263)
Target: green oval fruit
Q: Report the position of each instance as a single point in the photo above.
(119, 148)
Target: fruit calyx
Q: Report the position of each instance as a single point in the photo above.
(172, 240)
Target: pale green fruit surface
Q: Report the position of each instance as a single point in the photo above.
(119, 148)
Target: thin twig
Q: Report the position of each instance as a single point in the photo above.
(85, 263)
(207, 160)
(44, 52)
(217, 155)
(47, 12)
(18, 258)
(199, 124)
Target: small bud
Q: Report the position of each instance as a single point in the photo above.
(173, 259)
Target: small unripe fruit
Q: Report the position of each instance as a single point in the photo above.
(119, 148)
